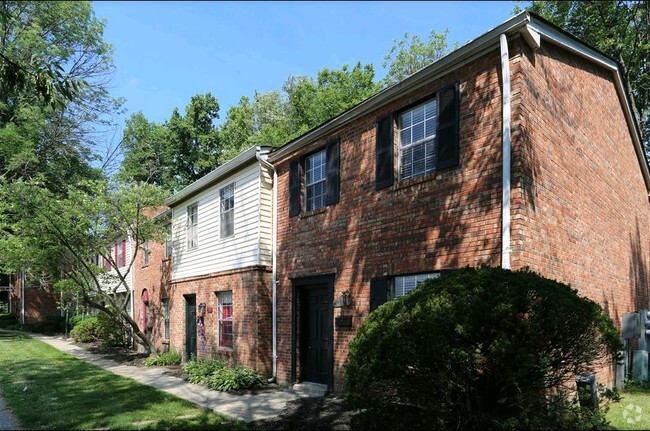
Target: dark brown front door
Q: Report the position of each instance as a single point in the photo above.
(190, 326)
(316, 334)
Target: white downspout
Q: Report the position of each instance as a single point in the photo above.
(274, 242)
(506, 151)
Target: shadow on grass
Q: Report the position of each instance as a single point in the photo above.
(49, 389)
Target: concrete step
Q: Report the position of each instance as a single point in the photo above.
(310, 389)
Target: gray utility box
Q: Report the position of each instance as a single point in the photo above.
(587, 390)
(631, 326)
(640, 366)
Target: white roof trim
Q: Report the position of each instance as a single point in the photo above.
(222, 171)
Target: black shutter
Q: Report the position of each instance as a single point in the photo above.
(448, 113)
(378, 292)
(332, 156)
(294, 187)
(384, 153)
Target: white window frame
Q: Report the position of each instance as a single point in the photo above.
(314, 181)
(429, 138)
(192, 226)
(404, 284)
(227, 215)
(225, 299)
(167, 327)
(145, 252)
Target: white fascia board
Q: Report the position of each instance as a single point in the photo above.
(242, 159)
(446, 64)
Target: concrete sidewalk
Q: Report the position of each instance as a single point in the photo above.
(247, 407)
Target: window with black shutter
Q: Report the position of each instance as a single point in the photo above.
(428, 138)
(320, 174)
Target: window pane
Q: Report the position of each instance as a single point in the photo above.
(225, 318)
(417, 140)
(405, 284)
(418, 132)
(315, 177)
(418, 114)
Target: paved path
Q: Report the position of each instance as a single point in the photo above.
(7, 420)
(247, 407)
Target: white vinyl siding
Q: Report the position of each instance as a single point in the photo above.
(215, 253)
(110, 278)
(266, 216)
(403, 285)
(417, 137)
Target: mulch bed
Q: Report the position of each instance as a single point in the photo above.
(309, 413)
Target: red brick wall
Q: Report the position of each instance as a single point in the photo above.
(579, 203)
(251, 294)
(446, 220)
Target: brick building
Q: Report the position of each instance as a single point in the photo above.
(219, 300)
(519, 149)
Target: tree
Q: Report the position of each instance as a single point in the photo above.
(409, 55)
(60, 241)
(146, 152)
(618, 28)
(480, 348)
(55, 142)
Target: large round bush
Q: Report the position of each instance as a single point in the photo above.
(479, 348)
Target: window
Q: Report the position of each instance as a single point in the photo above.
(315, 178)
(120, 254)
(165, 304)
(417, 135)
(168, 241)
(225, 319)
(192, 226)
(403, 285)
(385, 288)
(145, 254)
(428, 136)
(227, 210)
(320, 173)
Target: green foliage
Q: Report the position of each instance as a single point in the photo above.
(199, 371)
(480, 348)
(216, 374)
(109, 333)
(231, 379)
(618, 28)
(167, 358)
(409, 55)
(86, 330)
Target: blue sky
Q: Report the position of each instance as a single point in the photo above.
(167, 51)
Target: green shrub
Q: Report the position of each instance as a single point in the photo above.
(231, 379)
(111, 333)
(85, 331)
(199, 371)
(75, 320)
(479, 348)
(216, 374)
(167, 358)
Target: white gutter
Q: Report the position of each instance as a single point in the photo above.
(506, 151)
(274, 242)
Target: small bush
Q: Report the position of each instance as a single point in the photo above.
(75, 320)
(216, 374)
(232, 379)
(479, 348)
(199, 371)
(85, 331)
(111, 333)
(167, 358)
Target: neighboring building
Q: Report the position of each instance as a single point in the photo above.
(121, 256)
(220, 294)
(30, 304)
(518, 149)
(151, 281)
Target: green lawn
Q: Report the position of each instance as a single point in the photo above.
(632, 412)
(48, 389)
